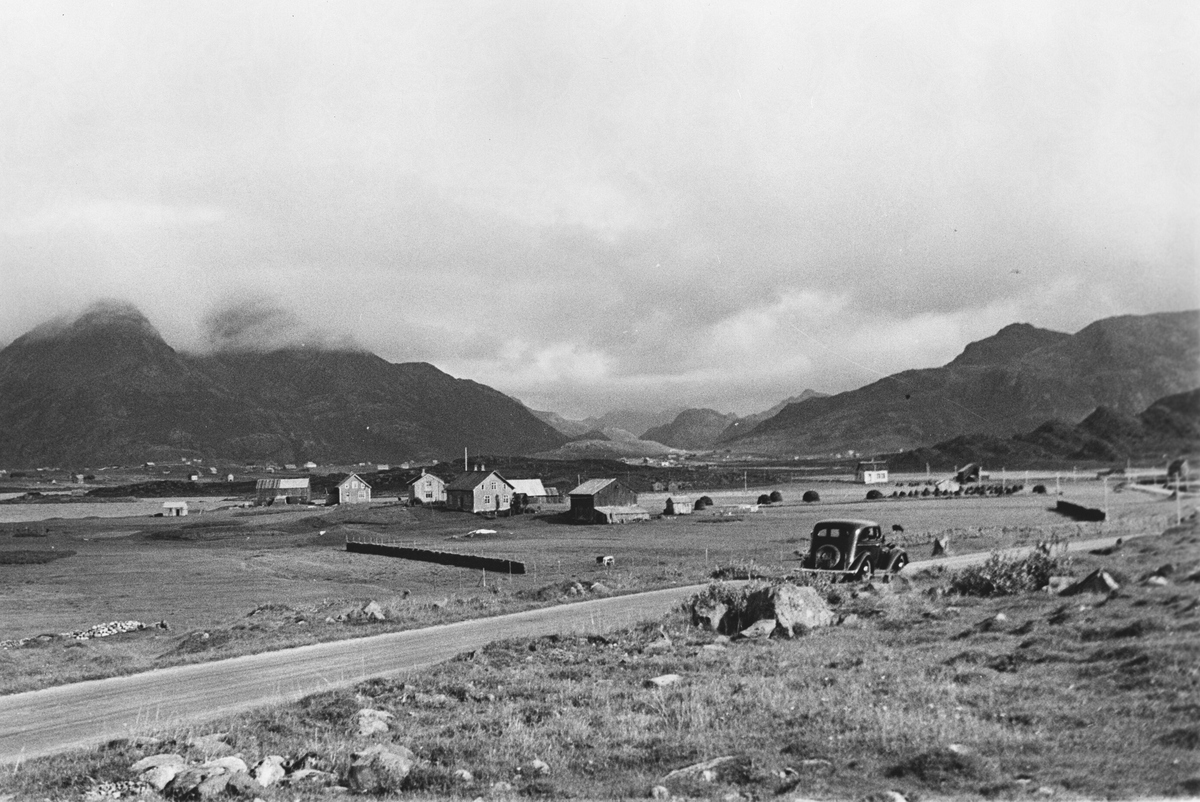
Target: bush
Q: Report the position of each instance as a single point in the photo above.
(1007, 576)
(776, 497)
(702, 502)
(811, 496)
(873, 494)
(764, 499)
(1039, 489)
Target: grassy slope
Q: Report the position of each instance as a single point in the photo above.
(1086, 696)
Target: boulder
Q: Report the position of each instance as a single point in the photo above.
(212, 786)
(368, 722)
(660, 792)
(313, 778)
(159, 777)
(229, 765)
(600, 589)
(941, 545)
(243, 785)
(373, 612)
(153, 761)
(269, 770)
(535, 768)
(187, 782)
(1098, 581)
(797, 610)
(380, 768)
(464, 776)
(663, 681)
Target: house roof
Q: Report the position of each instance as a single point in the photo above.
(282, 484)
(591, 487)
(421, 476)
(172, 505)
(473, 479)
(530, 487)
(351, 476)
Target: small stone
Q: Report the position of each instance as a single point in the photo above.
(1158, 581)
(600, 589)
(709, 775)
(373, 611)
(369, 721)
(663, 681)
(501, 787)
(759, 629)
(159, 777)
(1000, 618)
(713, 647)
(269, 770)
(464, 776)
(380, 768)
(660, 792)
(850, 620)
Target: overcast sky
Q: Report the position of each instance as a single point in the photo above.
(609, 204)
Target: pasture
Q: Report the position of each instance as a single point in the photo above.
(237, 581)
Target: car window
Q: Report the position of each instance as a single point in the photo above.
(870, 533)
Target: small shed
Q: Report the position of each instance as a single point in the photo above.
(679, 505)
(351, 490)
(595, 493)
(425, 488)
(871, 472)
(284, 490)
(172, 509)
(620, 515)
(529, 491)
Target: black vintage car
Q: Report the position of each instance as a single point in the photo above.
(853, 549)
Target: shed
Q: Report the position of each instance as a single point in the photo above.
(351, 490)
(479, 491)
(595, 493)
(679, 505)
(172, 509)
(620, 515)
(425, 488)
(871, 472)
(288, 491)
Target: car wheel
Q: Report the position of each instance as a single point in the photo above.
(865, 571)
(827, 557)
(899, 563)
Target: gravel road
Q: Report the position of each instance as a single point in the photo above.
(85, 714)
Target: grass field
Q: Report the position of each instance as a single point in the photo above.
(240, 581)
(1027, 696)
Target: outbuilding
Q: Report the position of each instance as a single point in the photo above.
(595, 493)
(172, 509)
(287, 491)
(871, 472)
(351, 490)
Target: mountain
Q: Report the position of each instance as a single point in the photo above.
(1166, 428)
(692, 429)
(750, 421)
(1008, 383)
(571, 428)
(106, 388)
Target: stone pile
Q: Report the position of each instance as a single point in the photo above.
(97, 631)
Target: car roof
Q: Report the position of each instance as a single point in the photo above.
(856, 523)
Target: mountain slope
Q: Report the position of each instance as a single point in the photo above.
(1008, 383)
(107, 388)
(692, 429)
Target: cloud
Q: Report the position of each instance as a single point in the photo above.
(264, 325)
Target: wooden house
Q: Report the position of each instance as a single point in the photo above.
(426, 488)
(172, 509)
(284, 491)
(351, 490)
(479, 491)
(595, 493)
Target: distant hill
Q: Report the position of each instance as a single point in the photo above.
(627, 420)
(106, 388)
(1163, 430)
(692, 429)
(605, 449)
(748, 422)
(1006, 384)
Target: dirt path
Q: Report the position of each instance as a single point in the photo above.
(84, 714)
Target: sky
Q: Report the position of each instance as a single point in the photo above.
(601, 205)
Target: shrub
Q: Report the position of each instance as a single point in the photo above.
(702, 502)
(811, 496)
(1039, 489)
(873, 494)
(764, 499)
(776, 497)
(1007, 576)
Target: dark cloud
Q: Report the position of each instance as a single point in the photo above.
(265, 325)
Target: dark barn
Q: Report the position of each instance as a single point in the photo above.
(599, 493)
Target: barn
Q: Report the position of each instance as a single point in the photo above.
(284, 491)
(593, 494)
(479, 491)
(425, 488)
(351, 490)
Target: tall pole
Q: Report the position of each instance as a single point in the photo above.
(1178, 503)
(1106, 497)
(465, 468)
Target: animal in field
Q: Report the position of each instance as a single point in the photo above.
(898, 528)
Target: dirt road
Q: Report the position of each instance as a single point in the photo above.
(88, 713)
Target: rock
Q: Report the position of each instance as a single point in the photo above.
(535, 768)
(941, 545)
(153, 761)
(312, 778)
(373, 611)
(440, 604)
(269, 770)
(1057, 584)
(1000, 618)
(892, 796)
(501, 787)
(368, 722)
(243, 785)
(159, 777)
(380, 768)
(229, 765)
(759, 629)
(799, 609)
(600, 589)
(663, 681)
(698, 769)
(464, 776)
(431, 699)
(713, 648)
(709, 614)
(660, 792)
(1098, 581)
(935, 593)
(1157, 581)
(850, 620)
(187, 781)
(309, 760)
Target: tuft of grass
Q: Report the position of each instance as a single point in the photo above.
(1008, 576)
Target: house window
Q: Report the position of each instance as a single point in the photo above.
(487, 499)
(428, 494)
